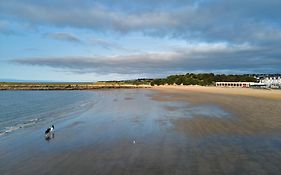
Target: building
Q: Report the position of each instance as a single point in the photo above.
(264, 81)
(271, 81)
(234, 84)
(258, 85)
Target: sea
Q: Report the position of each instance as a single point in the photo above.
(24, 109)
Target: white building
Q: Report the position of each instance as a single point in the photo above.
(271, 81)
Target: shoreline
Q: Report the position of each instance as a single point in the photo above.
(257, 93)
(75, 86)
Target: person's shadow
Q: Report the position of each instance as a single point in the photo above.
(49, 136)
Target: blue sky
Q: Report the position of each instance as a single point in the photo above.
(71, 40)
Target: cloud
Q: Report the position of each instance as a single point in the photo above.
(219, 20)
(204, 57)
(239, 35)
(110, 45)
(62, 36)
(106, 44)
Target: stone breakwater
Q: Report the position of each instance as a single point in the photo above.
(43, 86)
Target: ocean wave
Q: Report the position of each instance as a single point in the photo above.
(20, 125)
(46, 116)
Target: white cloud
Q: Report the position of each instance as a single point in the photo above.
(200, 20)
(63, 36)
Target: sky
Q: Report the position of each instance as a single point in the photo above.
(83, 40)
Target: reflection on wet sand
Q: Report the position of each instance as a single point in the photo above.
(49, 136)
(248, 115)
(158, 132)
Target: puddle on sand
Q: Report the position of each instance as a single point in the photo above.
(186, 110)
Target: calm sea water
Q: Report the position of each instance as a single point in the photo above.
(22, 109)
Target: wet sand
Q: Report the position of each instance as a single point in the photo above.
(158, 131)
(255, 111)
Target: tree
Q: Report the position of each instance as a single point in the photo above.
(203, 79)
(179, 81)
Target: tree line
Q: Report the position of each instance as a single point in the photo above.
(203, 79)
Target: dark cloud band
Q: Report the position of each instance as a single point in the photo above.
(215, 58)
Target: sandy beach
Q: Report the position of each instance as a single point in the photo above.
(260, 93)
(163, 130)
(257, 110)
